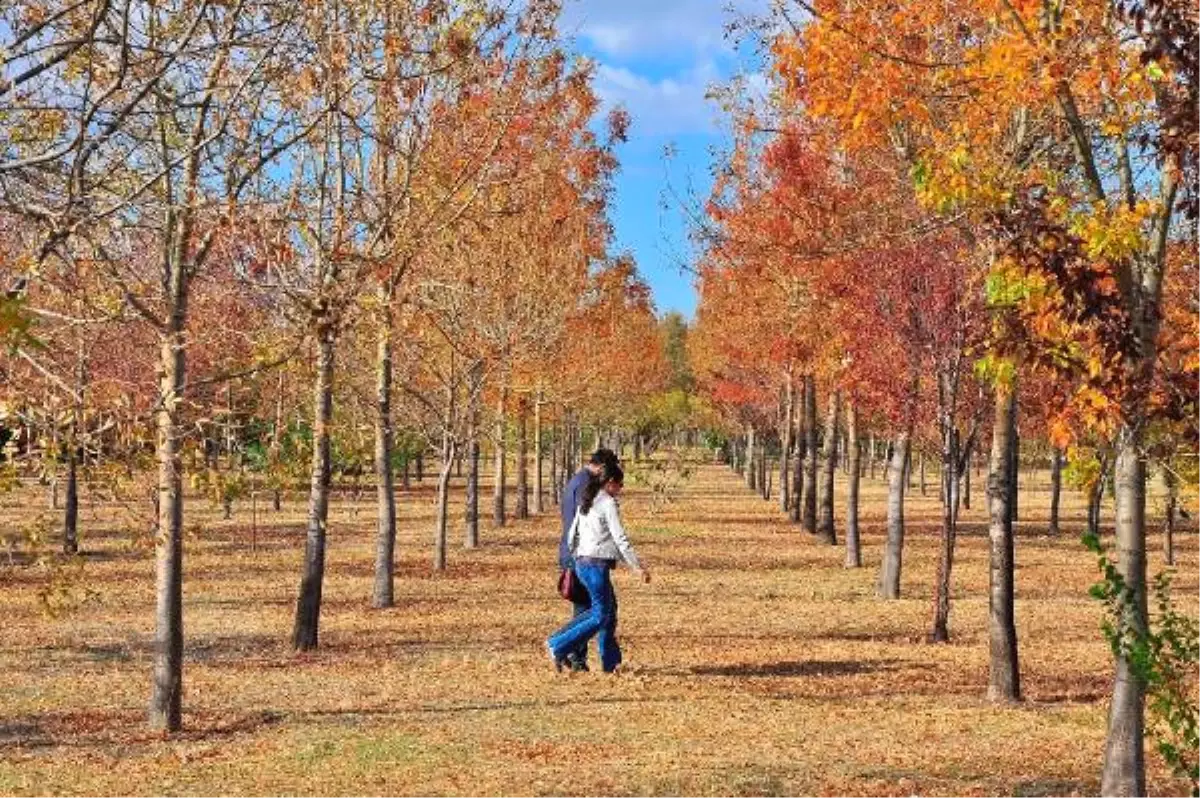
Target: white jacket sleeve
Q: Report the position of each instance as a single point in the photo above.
(612, 519)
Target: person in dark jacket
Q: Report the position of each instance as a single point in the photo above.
(572, 498)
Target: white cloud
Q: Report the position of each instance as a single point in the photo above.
(635, 28)
(666, 107)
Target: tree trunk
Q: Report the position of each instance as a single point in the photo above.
(308, 605)
(441, 530)
(385, 485)
(166, 698)
(1171, 482)
(1015, 476)
(522, 458)
(854, 454)
(538, 505)
(786, 445)
(921, 455)
(966, 496)
(825, 527)
(889, 574)
(472, 502)
(1056, 463)
(796, 509)
(555, 443)
(751, 461)
(498, 494)
(810, 443)
(1124, 754)
(940, 632)
(1004, 671)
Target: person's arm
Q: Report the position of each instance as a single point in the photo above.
(612, 516)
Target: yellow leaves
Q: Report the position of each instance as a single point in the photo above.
(1114, 234)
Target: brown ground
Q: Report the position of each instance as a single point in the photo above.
(757, 664)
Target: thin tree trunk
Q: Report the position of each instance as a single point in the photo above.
(967, 487)
(786, 445)
(798, 466)
(825, 527)
(556, 442)
(1124, 753)
(522, 458)
(940, 632)
(854, 454)
(1056, 463)
(498, 492)
(889, 574)
(277, 443)
(385, 484)
(166, 698)
(921, 455)
(472, 490)
(419, 462)
(441, 530)
(1015, 480)
(810, 443)
(308, 605)
(538, 505)
(1171, 482)
(871, 454)
(1004, 671)
(751, 461)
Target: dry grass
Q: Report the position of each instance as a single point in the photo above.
(756, 664)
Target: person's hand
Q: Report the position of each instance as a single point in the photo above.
(646, 575)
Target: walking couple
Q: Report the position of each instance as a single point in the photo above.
(593, 541)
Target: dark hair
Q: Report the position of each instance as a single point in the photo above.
(604, 457)
(610, 473)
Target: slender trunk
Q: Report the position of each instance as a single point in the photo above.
(1015, 480)
(889, 574)
(419, 462)
(1124, 754)
(556, 441)
(1171, 482)
(522, 458)
(1004, 672)
(277, 443)
(385, 536)
(1056, 463)
(538, 505)
(498, 494)
(921, 466)
(854, 454)
(940, 632)
(751, 461)
(785, 445)
(871, 454)
(825, 526)
(763, 471)
(810, 443)
(966, 496)
(166, 699)
(308, 605)
(798, 466)
(474, 396)
(441, 531)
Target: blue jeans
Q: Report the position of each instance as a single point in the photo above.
(581, 651)
(600, 620)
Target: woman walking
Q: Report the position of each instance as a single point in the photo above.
(597, 541)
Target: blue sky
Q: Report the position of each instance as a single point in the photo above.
(658, 58)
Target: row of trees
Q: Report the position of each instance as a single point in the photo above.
(221, 220)
(946, 218)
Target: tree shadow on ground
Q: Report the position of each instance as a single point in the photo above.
(797, 668)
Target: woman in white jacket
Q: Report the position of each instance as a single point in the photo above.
(597, 541)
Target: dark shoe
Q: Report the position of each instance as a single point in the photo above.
(578, 665)
(559, 662)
